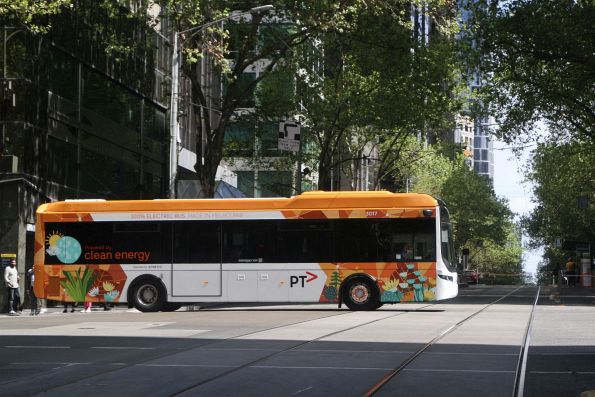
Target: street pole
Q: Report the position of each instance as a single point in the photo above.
(299, 167)
(173, 120)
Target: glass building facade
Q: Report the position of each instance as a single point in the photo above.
(77, 121)
(83, 123)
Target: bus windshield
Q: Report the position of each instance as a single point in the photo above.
(446, 240)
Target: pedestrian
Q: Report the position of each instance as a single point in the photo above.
(11, 278)
(34, 302)
(72, 304)
(570, 272)
(87, 307)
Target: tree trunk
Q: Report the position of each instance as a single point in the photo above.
(325, 180)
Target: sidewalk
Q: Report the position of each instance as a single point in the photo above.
(60, 310)
(569, 295)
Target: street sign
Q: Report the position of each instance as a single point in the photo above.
(289, 136)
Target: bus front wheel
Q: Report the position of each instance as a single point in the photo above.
(360, 294)
(148, 296)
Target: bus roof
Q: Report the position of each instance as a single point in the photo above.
(307, 201)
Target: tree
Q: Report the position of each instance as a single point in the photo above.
(478, 214)
(375, 76)
(482, 222)
(428, 171)
(500, 263)
(538, 64)
(228, 59)
(31, 13)
(549, 268)
(382, 83)
(564, 193)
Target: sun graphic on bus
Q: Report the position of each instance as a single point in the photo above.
(66, 248)
(53, 238)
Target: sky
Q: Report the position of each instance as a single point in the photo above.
(510, 183)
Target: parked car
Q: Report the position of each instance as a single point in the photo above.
(471, 277)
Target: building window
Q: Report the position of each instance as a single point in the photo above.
(107, 177)
(62, 162)
(246, 182)
(111, 100)
(154, 122)
(63, 75)
(275, 183)
(239, 139)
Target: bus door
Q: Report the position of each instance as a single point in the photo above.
(196, 267)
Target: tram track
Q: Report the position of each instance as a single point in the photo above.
(292, 348)
(199, 346)
(298, 345)
(520, 370)
(174, 352)
(519, 379)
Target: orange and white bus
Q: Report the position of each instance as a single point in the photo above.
(363, 249)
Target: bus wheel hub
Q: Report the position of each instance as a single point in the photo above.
(359, 294)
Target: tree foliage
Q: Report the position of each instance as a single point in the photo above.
(564, 193)
(214, 110)
(381, 83)
(361, 74)
(482, 221)
(500, 263)
(537, 61)
(32, 13)
(548, 269)
(478, 213)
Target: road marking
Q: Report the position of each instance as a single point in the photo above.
(398, 352)
(187, 365)
(331, 368)
(566, 354)
(479, 371)
(300, 391)
(37, 347)
(352, 351)
(473, 354)
(122, 348)
(551, 372)
(48, 363)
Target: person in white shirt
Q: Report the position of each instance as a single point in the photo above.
(11, 278)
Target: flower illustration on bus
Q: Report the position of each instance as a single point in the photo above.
(93, 283)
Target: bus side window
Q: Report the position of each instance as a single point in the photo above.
(248, 241)
(356, 240)
(304, 241)
(197, 242)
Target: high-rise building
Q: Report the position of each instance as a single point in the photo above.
(483, 147)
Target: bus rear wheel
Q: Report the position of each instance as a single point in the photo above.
(360, 294)
(148, 296)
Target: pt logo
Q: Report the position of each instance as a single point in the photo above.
(293, 280)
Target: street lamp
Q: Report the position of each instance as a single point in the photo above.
(174, 126)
